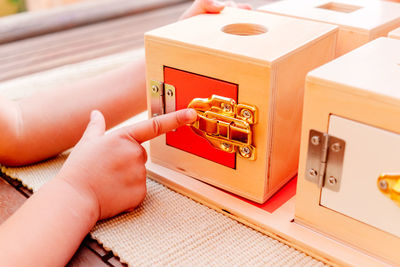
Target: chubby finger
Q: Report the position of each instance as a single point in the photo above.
(203, 6)
(150, 129)
(211, 6)
(96, 126)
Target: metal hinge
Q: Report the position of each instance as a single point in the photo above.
(162, 98)
(225, 124)
(325, 160)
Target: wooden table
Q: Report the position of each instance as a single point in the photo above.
(32, 48)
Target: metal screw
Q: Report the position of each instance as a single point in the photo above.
(336, 147)
(315, 140)
(313, 172)
(154, 88)
(383, 184)
(245, 151)
(246, 113)
(226, 107)
(170, 92)
(332, 180)
(226, 146)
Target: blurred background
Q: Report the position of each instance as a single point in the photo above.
(9, 7)
(38, 35)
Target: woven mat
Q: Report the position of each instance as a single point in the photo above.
(168, 228)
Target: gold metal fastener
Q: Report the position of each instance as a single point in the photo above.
(225, 124)
(389, 185)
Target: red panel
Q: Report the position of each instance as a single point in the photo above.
(278, 199)
(189, 86)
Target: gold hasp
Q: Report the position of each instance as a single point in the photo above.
(389, 185)
(225, 124)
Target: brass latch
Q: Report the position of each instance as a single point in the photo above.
(225, 124)
(389, 185)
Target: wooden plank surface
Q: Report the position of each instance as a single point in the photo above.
(10, 200)
(86, 257)
(31, 24)
(87, 42)
(80, 44)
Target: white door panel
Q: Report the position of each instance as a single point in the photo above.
(369, 152)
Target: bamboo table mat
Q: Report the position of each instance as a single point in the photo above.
(168, 229)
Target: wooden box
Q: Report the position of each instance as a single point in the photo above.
(248, 58)
(359, 21)
(395, 33)
(349, 170)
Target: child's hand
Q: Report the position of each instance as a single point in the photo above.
(109, 169)
(210, 6)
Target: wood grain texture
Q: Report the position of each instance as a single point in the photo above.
(10, 200)
(86, 42)
(80, 44)
(30, 24)
(86, 257)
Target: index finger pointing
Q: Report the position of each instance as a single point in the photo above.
(150, 129)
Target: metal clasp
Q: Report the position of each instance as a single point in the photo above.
(225, 124)
(389, 185)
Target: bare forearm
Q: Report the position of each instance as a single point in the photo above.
(53, 121)
(48, 228)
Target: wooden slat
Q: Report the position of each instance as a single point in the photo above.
(86, 257)
(10, 200)
(115, 262)
(84, 43)
(30, 24)
(95, 247)
(80, 44)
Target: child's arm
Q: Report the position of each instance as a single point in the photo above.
(45, 124)
(103, 176)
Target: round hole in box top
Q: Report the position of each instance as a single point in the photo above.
(244, 29)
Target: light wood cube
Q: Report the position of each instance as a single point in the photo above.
(354, 99)
(252, 58)
(359, 21)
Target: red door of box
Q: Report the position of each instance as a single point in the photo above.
(187, 87)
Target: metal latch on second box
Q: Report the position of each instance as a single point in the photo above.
(389, 185)
(225, 124)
